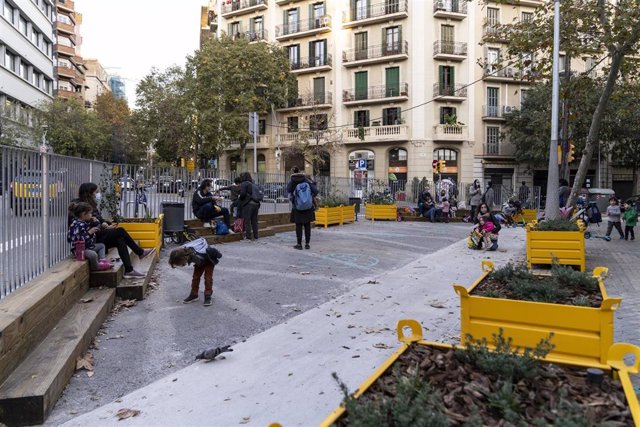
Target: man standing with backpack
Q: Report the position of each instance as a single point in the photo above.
(301, 193)
(250, 197)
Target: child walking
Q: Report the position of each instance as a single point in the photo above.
(83, 230)
(614, 213)
(204, 258)
(630, 220)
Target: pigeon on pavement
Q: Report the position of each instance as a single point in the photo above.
(212, 353)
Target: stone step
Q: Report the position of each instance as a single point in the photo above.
(28, 395)
(223, 238)
(109, 278)
(283, 228)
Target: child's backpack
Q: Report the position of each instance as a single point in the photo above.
(221, 228)
(473, 240)
(303, 198)
(257, 195)
(595, 217)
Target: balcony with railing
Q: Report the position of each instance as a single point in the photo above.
(304, 28)
(531, 3)
(256, 36)
(312, 64)
(65, 50)
(500, 149)
(66, 5)
(383, 133)
(496, 112)
(290, 138)
(449, 50)
(506, 74)
(492, 32)
(396, 51)
(452, 9)
(445, 132)
(450, 92)
(67, 29)
(373, 13)
(264, 141)
(309, 102)
(241, 7)
(376, 94)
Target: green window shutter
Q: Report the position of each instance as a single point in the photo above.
(353, 10)
(453, 80)
(399, 35)
(440, 79)
(355, 119)
(252, 25)
(366, 118)
(392, 81)
(384, 41)
(361, 85)
(312, 53)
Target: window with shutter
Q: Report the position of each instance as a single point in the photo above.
(361, 118)
(362, 82)
(392, 80)
(361, 43)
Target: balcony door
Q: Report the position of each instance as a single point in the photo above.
(446, 80)
(256, 28)
(318, 53)
(318, 90)
(391, 6)
(493, 17)
(391, 116)
(291, 20)
(493, 140)
(362, 45)
(447, 38)
(492, 101)
(362, 85)
(392, 80)
(294, 56)
(359, 9)
(361, 118)
(316, 13)
(392, 37)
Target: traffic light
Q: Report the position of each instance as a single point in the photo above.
(182, 162)
(442, 166)
(572, 152)
(559, 154)
(434, 166)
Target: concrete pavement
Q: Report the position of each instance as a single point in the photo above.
(284, 373)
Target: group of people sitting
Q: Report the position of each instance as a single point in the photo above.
(433, 211)
(91, 236)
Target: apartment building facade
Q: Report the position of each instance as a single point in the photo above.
(96, 82)
(70, 67)
(405, 82)
(26, 59)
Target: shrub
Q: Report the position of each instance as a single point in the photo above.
(560, 224)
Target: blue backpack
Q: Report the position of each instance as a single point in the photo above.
(221, 228)
(303, 198)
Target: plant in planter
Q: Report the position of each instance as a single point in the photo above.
(380, 203)
(334, 209)
(559, 238)
(572, 305)
(433, 384)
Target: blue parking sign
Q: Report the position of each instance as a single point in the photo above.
(361, 164)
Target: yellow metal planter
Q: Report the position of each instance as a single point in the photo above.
(566, 246)
(582, 335)
(615, 362)
(148, 234)
(373, 212)
(335, 215)
(528, 215)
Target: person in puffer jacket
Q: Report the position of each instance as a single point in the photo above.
(204, 258)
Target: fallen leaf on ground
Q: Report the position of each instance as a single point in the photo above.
(381, 345)
(364, 297)
(245, 420)
(375, 330)
(116, 337)
(86, 300)
(437, 304)
(305, 273)
(125, 413)
(85, 362)
(372, 282)
(90, 373)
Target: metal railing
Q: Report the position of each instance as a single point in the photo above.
(499, 149)
(451, 6)
(377, 51)
(497, 111)
(312, 62)
(388, 7)
(376, 92)
(449, 48)
(325, 98)
(236, 5)
(254, 36)
(458, 90)
(303, 25)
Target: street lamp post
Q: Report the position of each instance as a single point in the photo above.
(552, 208)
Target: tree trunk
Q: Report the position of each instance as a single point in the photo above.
(593, 138)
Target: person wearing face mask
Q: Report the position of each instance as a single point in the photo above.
(110, 234)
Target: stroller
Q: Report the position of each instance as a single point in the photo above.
(511, 210)
(589, 213)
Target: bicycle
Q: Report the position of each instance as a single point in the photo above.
(140, 200)
(180, 237)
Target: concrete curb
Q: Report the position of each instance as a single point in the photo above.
(284, 373)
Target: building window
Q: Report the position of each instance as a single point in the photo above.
(451, 164)
(9, 60)
(292, 124)
(362, 85)
(7, 12)
(22, 25)
(392, 81)
(391, 116)
(359, 9)
(493, 17)
(492, 102)
(446, 79)
(318, 122)
(291, 21)
(361, 119)
(294, 56)
(318, 53)
(24, 70)
(234, 30)
(262, 163)
(393, 41)
(262, 127)
(34, 37)
(493, 140)
(448, 116)
(362, 44)
(319, 91)
(318, 12)
(527, 17)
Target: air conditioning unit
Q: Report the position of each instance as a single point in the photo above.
(326, 20)
(508, 109)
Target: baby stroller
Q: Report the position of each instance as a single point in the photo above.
(511, 210)
(589, 213)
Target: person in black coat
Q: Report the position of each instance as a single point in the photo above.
(204, 206)
(248, 206)
(302, 218)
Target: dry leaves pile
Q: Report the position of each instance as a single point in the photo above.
(125, 413)
(86, 363)
(123, 304)
(463, 392)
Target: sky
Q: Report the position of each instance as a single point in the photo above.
(129, 37)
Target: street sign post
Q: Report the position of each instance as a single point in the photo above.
(254, 128)
(361, 164)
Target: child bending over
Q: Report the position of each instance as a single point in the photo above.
(204, 257)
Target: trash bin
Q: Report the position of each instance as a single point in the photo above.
(173, 217)
(357, 201)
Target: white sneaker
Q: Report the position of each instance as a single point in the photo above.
(206, 224)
